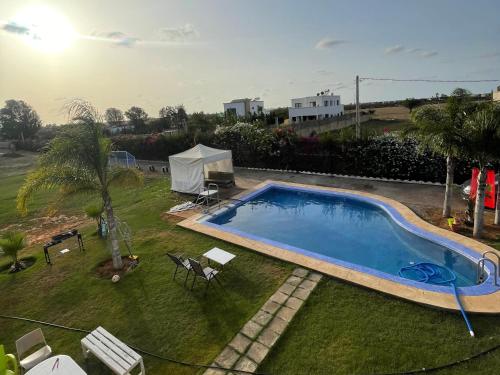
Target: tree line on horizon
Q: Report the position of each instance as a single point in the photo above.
(462, 128)
(19, 122)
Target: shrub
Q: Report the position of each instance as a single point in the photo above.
(10, 244)
(255, 145)
(154, 147)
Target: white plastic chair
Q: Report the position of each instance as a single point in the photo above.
(26, 343)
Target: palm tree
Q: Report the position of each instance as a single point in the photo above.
(94, 211)
(497, 209)
(440, 129)
(77, 161)
(482, 131)
(10, 244)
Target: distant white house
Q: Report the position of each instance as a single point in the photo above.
(496, 95)
(318, 107)
(245, 107)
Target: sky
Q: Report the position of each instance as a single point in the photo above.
(120, 53)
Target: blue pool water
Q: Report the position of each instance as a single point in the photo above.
(342, 228)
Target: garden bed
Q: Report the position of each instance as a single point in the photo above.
(105, 270)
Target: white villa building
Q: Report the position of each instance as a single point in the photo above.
(244, 107)
(319, 107)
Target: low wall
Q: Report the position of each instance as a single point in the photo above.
(305, 129)
(6, 146)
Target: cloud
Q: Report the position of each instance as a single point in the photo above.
(414, 51)
(178, 34)
(394, 49)
(339, 86)
(169, 36)
(490, 55)
(324, 72)
(427, 54)
(327, 43)
(14, 28)
(116, 37)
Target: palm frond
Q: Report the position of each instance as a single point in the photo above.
(46, 178)
(94, 211)
(82, 111)
(12, 242)
(437, 131)
(482, 130)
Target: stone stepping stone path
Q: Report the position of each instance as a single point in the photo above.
(254, 341)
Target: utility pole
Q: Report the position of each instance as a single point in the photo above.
(358, 124)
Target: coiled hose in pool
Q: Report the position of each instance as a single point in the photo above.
(436, 274)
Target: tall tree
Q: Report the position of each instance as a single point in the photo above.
(114, 116)
(18, 120)
(77, 161)
(441, 130)
(411, 103)
(182, 117)
(482, 131)
(174, 117)
(167, 117)
(496, 221)
(137, 117)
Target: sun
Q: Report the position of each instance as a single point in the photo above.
(49, 31)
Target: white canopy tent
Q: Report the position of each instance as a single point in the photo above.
(190, 168)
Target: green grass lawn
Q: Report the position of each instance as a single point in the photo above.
(147, 308)
(342, 329)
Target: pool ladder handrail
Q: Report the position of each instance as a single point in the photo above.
(496, 266)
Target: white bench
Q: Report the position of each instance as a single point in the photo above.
(112, 352)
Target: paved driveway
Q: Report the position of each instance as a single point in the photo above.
(415, 196)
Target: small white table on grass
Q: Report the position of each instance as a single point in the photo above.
(112, 352)
(219, 256)
(57, 365)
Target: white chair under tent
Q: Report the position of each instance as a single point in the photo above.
(190, 171)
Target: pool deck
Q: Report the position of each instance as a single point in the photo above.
(483, 303)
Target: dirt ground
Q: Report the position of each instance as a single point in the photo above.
(41, 229)
(391, 113)
(12, 166)
(388, 113)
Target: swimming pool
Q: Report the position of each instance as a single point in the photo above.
(360, 237)
(341, 228)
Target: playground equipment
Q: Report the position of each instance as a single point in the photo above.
(122, 159)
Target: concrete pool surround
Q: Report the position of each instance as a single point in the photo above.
(482, 298)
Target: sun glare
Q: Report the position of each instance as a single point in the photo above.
(49, 31)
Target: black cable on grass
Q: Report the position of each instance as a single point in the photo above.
(182, 363)
(447, 365)
(154, 355)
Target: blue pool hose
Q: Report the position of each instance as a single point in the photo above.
(436, 274)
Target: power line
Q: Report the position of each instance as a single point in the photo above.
(428, 80)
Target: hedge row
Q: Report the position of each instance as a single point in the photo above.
(386, 156)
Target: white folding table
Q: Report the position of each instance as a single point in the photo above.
(112, 352)
(57, 365)
(219, 256)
